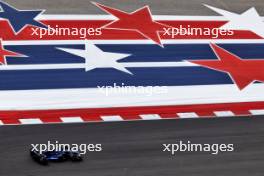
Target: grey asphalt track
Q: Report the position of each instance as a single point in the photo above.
(158, 7)
(135, 148)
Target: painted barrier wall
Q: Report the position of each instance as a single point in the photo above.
(129, 66)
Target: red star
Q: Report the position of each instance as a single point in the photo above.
(242, 72)
(140, 21)
(4, 53)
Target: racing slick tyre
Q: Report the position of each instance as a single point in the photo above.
(43, 161)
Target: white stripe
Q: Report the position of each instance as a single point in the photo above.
(187, 115)
(257, 112)
(71, 119)
(1, 122)
(110, 17)
(174, 41)
(150, 116)
(74, 17)
(112, 118)
(224, 113)
(30, 121)
(82, 66)
(172, 95)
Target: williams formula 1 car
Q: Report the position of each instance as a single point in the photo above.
(59, 156)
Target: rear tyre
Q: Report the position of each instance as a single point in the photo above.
(43, 161)
(76, 158)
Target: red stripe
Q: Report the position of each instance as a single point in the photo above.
(131, 117)
(169, 116)
(7, 34)
(50, 119)
(92, 118)
(206, 114)
(10, 121)
(241, 112)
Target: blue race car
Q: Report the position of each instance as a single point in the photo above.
(46, 156)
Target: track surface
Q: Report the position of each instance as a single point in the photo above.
(134, 148)
(158, 7)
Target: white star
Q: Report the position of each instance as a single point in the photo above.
(249, 20)
(96, 58)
